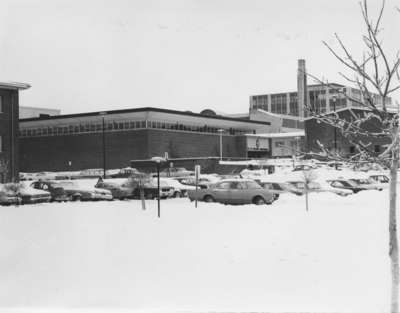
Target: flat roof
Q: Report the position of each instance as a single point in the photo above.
(137, 110)
(328, 85)
(14, 85)
(278, 135)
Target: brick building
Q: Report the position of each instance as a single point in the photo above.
(317, 131)
(113, 138)
(9, 104)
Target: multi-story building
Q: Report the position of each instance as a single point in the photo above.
(9, 127)
(320, 98)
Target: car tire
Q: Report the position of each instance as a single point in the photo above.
(259, 200)
(177, 194)
(208, 198)
(77, 198)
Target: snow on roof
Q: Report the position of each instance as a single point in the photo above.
(278, 135)
(14, 85)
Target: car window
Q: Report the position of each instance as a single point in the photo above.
(384, 179)
(241, 185)
(277, 186)
(223, 185)
(267, 185)
(252, 185)
(337, 184)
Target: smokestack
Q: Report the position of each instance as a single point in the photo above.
(302, 93)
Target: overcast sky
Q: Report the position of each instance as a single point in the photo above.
(84, 56)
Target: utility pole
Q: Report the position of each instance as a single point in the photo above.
(104, 142)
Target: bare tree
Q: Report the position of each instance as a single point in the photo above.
(376, 76)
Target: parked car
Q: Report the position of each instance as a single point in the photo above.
(345, 184)
(366, 183)
(280, 187)
(319, 186)
(204, 181)
(71, 190)
(125, 172)
(118, 190)
(380, 178)
(9, 195)
(31, 195)
(304, 167)
(175, 172)
(234, 191)
(179, 190)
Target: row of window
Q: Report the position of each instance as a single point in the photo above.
(117, 126)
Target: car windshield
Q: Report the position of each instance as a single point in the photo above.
(349, 183)
(362, 181)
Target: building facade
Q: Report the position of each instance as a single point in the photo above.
(9, 103)
(113, 138)
(319, 133)
(318, 98)
(321, 99)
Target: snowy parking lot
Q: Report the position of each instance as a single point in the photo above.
(276, 258)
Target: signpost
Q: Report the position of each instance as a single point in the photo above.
(197, 169)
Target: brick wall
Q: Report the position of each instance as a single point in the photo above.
(9, 133)
(53, 153)
(325, 134)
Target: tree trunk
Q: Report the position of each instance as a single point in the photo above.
(393, 242)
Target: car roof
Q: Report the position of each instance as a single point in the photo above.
(236, 180)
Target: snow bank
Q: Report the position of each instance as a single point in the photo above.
(278, 258)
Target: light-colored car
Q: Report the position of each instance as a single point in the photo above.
(319, 186)
(175, 172)
(179, 190)
(278, 188)
(380, 178)
(72, 190)
(366, 183)
(204, 181)
(30, 195)
(118, 190)
(234, 191)
(345, 184)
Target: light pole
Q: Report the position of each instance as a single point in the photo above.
(103, 114)
(158, 161)
(220, 143)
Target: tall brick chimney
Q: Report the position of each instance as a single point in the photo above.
(302, 93)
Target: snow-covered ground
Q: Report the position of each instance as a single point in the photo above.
(279, 258)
